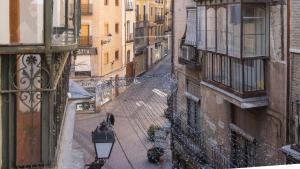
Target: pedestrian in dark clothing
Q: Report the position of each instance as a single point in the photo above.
(110, 118)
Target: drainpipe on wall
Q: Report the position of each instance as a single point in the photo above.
(173, 36)
(288, 74)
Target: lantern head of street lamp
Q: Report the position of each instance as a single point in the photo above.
(103, 138)
(109, 37)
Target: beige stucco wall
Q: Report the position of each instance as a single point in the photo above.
(102, 15)
(127, 16)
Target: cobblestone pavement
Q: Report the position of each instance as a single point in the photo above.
(135, 110)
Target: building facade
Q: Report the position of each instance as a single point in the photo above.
(37, 42)
(102, 40)
(291, 149)
(141, 36)
(231, 106)
(151, 39)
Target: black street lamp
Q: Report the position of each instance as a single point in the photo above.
(103, 138)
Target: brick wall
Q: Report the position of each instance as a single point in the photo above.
(295, 24)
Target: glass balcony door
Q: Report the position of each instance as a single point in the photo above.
(22, 21)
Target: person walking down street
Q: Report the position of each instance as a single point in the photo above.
(110, 119)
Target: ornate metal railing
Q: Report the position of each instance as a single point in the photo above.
(188, 55)
(243, 77)
(60, 97)
(129, 5)
(129, 37)
(189, 137)
(159, 18)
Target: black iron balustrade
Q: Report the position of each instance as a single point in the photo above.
(129, 37)
(34, 76)
(140, 35)
(189, 55)
(86, 41)
(295, 126)
(189, 137)
(243, 77)
(129, 5)
(159, 18)
(60, 99)
(86, 9)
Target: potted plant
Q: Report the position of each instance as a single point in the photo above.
(151, 132)
(154, 154)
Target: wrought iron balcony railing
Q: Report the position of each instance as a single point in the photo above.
(243, 77)
(86, 41)
(86, 9)
(129, 37)
(141, 18)
(159, 18)
(129, 5)
(189, 56)
(188, 136)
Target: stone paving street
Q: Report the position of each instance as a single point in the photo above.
(135, 110)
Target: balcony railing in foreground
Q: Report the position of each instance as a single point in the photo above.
(243, 77)
(189, 56)
(192, 141)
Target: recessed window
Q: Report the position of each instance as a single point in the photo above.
(117, 28)
(106, 58)
(105, 2)
(117, 55)
(106, 28)
(117, 2)
(128, 56)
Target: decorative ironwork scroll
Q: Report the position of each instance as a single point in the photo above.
(29, 79)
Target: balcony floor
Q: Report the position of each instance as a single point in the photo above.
(244, 103)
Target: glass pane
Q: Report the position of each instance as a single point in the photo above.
(254, 37)
(191, 27)
(63, 21)
(26, 18)
(201, 28)
(234, 30)
(4, 18)
(103, 150)
(211, 29)
(221, 32)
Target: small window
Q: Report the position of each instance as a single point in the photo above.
(117, 2)
(106, 28)
(117, 55)
(105, 2)
(193, 114)
(106, 58)
(128, 56)
(117, 28)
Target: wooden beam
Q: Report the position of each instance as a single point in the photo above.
(14, 21)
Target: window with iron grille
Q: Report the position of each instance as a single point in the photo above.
(193, 112)
(193, 104)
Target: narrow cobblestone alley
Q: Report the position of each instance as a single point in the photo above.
(135, 110)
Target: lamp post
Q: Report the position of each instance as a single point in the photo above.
(103, 138)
